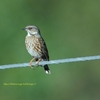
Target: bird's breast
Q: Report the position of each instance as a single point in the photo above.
(31, 44)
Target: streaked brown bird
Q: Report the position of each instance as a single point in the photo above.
(36, 46)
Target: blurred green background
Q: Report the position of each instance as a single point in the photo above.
(71, 28)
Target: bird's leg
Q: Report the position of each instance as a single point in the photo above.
(38, 61)
(31, 62)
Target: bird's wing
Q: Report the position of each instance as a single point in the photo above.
(43, 49)
(40, 47)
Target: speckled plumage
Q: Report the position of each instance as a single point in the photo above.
(36, 46)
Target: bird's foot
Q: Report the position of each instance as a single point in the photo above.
(37, 63)
(31, 63)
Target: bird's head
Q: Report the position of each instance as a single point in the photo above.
(32, 30)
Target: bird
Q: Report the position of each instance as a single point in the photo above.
(36, 46)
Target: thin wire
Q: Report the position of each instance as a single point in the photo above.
(78, 59)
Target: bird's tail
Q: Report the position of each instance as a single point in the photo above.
(46, 68)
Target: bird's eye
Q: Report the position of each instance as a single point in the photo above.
(30, 28)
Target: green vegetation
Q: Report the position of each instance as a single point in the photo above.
(70, 29)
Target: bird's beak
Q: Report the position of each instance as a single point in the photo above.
(24, 29)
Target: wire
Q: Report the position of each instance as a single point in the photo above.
(77, 59)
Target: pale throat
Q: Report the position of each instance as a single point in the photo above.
(30, 34)
(34, 33)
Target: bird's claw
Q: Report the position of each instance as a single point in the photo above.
(37, 63)
(31, 65)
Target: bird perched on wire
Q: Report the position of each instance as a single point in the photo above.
(36, 46)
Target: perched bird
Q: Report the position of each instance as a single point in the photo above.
(36, 46)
